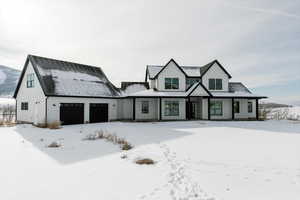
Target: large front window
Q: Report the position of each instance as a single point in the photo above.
(171, 108)
(216, 108)
(215, 84)
(30, 80)
(171, 83)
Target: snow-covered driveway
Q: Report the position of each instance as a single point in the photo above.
(195, 160)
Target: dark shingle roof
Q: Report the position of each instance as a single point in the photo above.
(62, 78)
(238, 87)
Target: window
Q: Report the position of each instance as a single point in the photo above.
(145, 107)
(171, 108)
(215, 84)
(250, 107)
(191, 81)
(171, 83)
(30, 80)
(216, 108)
(24, 105)
(236, 107)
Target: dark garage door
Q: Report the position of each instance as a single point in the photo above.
(98, 112)
(71, 113)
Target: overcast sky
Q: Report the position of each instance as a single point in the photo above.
(257, 41)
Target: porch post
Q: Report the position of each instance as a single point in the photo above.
(159, 106)
(257, 111)
(133, 109)
(188, 109)
(208, 108)
(232, 108)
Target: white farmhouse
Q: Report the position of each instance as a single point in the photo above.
(51, 90)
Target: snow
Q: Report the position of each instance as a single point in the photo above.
(134, 88)
(2, 77)
(285, 113)
(194, 160)
(78, 84)
(192, 71)
(235, 94)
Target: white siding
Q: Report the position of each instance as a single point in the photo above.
(244, 109)
(53, 107)
(171, 71)
(35, 98)
(125, 109)
(215, 71)
(182, 113)
(153, 108)
(226, 112)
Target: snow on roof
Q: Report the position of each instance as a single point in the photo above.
(192, 71)
(133, 87)
(238, 87)
(154, 93)
(72, 79)
(236, 94)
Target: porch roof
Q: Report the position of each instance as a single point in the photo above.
(236, 95)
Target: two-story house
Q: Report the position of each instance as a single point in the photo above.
(52, 90)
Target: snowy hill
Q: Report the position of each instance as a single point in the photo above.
(292, 113)
(8, 81)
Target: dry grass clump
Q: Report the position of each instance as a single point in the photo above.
(113, 138)
(54, 144)
(145, 161)
(41, 125)
(54, 125)
(7, 123)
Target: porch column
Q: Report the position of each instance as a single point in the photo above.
(159, 106)
(232, 108)
(188, 109)
(208, 108)
(133, 109)
(257, 111)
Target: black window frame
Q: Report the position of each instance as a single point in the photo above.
(169, 108)
(215, 84)
(250, 107)
(172, 83)
(216, 108)
(30, 80)
(24, 105)
(145, 107)
(236, 107)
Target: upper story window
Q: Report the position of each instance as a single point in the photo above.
(171, 83)
(191, 81)
(145, 107)
(215, 84)
(30, 80)
(24, 105)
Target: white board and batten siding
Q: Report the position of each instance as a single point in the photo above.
(153, 113)
(171, 71)
(215, 71)
(53, 107)
(34, 97)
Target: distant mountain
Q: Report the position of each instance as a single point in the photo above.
(268, 105)
(8, 81)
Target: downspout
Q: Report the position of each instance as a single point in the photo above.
(46, 102)
(16, 110)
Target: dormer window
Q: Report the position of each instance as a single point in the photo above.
(30, 80)
(215, 84)
(171, 83)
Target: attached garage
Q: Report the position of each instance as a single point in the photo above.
(98, 112)
(71, 113)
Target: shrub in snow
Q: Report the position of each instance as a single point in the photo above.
(126, 146)
(145, 161)
(54, 125)
(124, 156)
(54, 144)
(41, 125)
(113, 138)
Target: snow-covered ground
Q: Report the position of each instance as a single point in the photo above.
(195, 160)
